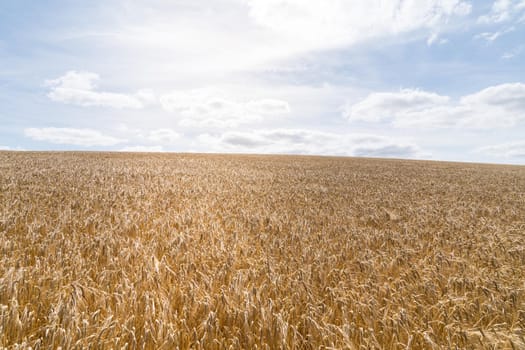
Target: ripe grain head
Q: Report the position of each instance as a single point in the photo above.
(210, 251)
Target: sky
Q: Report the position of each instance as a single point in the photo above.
(412, 79)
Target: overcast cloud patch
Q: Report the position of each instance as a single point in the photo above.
(301, 141)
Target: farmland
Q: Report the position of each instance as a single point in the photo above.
(159, 251)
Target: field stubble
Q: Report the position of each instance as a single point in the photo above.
(160, 251)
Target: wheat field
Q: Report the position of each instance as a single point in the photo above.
(167, 251)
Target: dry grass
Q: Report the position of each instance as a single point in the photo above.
(245, 252)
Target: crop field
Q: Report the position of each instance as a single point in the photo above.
(167, 251)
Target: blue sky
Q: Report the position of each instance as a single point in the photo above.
(426, 79)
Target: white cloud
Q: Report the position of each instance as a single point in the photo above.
(9, 148)
(506, 150)
(513, 52)
(208, 108)
(492, 36)
(302, 141)
(335, 23)
(142, 149)
(494, 107)
(202, 38)
(243, 140)
(70, 136)
(268, 107)
(432, 39)
(488, 36)
(380, 106)
(164, 136)
(503, 11)
(79, 88)
(508, 96)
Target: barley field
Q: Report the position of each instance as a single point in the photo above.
(167, 251)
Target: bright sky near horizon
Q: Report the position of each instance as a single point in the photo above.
(422, 79)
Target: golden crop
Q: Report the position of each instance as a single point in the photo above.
(166, 251)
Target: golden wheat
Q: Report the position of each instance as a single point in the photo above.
(163, 251)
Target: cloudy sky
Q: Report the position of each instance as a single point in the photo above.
(422, 79)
